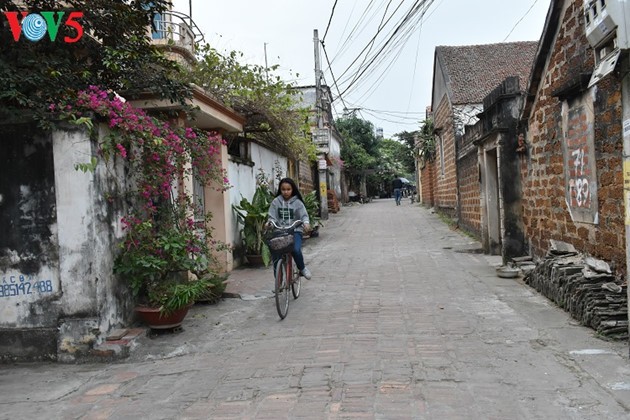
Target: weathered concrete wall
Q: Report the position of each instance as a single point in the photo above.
(572, 186)
(29, 262)
(88, 222)
(60, 248)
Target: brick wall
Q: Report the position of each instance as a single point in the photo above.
(306, 180)
(428, 183)
(469, 194)
(446, 176)
(547, 170)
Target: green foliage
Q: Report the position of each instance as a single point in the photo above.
(311, 202)
(114, 52)
(176, 294)
(355, 157)
(87, 167)
(392, 158)
(253, 215)
(274, 115)
(359, 150)
(426, 144)
(153, 256)
(361, 132)
(406, 151)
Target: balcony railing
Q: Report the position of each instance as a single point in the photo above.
(176, 29)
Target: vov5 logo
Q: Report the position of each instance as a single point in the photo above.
(34, 26)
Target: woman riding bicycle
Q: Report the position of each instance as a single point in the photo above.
(287, 207)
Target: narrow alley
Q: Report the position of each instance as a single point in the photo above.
(400, 321)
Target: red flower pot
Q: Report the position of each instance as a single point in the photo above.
(155, 320)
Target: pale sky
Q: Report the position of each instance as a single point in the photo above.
(395, 90)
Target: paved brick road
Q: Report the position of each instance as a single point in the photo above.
(397, 323)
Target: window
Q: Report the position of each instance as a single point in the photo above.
(239, 149)
(199, 200)
(441, 143)
(159, 27)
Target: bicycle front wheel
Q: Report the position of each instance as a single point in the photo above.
(282, 289)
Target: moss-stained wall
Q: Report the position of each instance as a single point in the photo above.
(59, 229)
(29, 264)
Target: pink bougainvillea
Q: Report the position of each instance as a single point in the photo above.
(161, 153)
(160, 156)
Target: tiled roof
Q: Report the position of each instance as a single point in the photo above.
(472, 71)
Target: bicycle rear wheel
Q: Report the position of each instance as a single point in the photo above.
(296, 284)
(282, 289)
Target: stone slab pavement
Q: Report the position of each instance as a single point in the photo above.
(250, 283)
(402, 320)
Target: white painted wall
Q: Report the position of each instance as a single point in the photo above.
(242, 177)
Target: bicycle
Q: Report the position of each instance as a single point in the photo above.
(286, 273)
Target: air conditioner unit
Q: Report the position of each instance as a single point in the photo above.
(606, 20)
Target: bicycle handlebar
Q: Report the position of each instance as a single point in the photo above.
(291, 226)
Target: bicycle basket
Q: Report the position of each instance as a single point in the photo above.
(280, 242)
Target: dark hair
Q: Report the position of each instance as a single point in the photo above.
(295, 191)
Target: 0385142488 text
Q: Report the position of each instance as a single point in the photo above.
(22, 284)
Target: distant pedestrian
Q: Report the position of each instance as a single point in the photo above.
(397, 185)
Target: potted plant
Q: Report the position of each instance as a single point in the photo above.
(167, 267)
(253, 215)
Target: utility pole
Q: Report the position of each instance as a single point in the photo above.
(266, 66)
(322, 167)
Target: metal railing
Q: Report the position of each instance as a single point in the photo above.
(177, 29)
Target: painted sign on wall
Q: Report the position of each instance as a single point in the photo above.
(18, 285)
(579, 160)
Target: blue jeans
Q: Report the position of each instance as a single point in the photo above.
(397, 195)
(298, 258)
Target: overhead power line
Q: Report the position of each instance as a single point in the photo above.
(370, 42)
(519, 21)
(419, 8)
(353, 30)
(380, 27)
(329, 20)
(386, 60)
(331, 73)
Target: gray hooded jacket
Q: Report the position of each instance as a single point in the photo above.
(286, 212)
